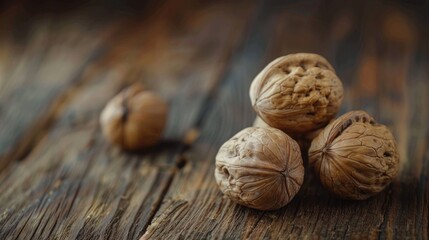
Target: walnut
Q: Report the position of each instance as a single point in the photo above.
(303, 140)
(297, 93)
(354, 156)
(259, 123)
(134, 119)
(260, 168)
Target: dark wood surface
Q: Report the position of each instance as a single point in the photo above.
(61, 63)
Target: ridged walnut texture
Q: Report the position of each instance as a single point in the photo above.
(355, 157)
(297, 93)
(260, 168)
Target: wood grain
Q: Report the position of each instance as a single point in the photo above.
(87, 189)
(36, 81)
(59, 179)
(195, 208)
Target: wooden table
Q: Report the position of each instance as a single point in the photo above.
(59, 65)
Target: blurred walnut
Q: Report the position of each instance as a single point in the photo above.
(354, 156)
(260, 168)
(134, 119)
(297, 93)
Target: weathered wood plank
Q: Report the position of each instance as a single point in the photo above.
(73, 185)
(42, 61)
(31, 89)
(194, 208)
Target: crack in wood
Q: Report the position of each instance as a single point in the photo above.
(121, 207)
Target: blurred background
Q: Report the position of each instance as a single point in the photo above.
(61, 61)
(49, 49)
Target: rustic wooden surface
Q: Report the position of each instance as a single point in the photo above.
(60, 64)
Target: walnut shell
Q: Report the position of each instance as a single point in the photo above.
(297, 93)
(260, 168)
(134, 119)
(258, 122)
(354, 156)
(303, 140)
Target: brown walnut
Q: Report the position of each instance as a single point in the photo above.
(354, 157)
(303, 140)
(297, 93)
(260, 168)
(134, 119)
(258, 122)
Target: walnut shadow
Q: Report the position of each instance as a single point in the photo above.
(166, 152)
